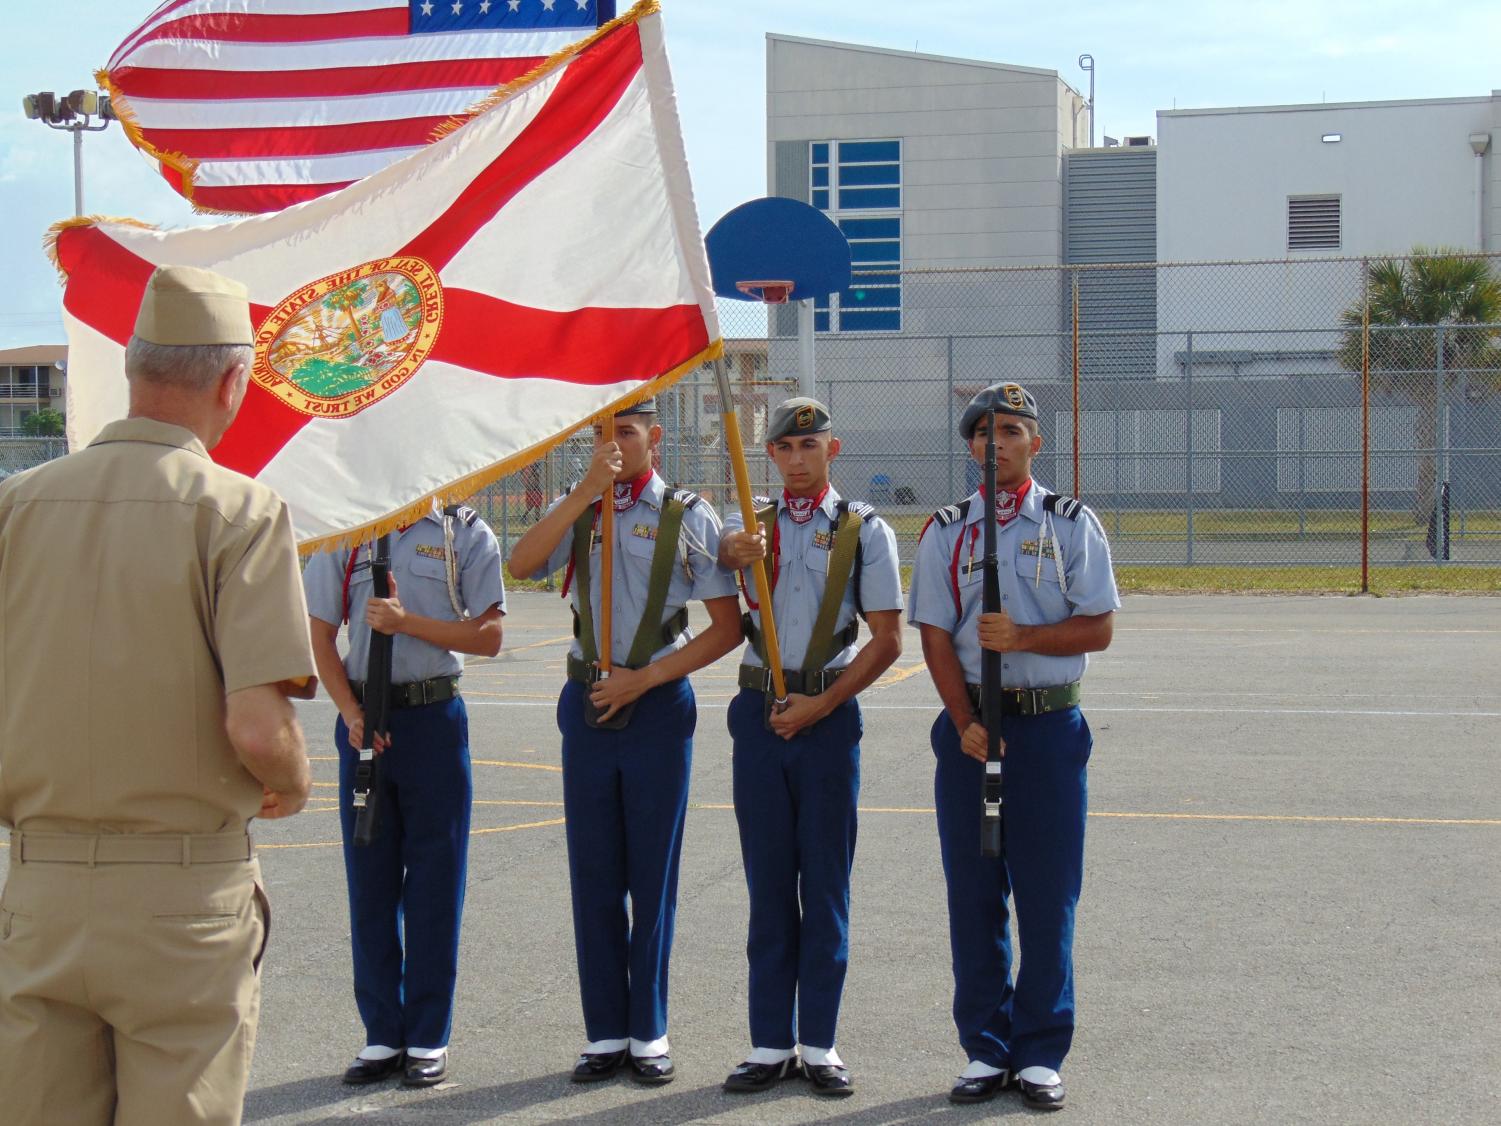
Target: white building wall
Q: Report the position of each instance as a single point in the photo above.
(982, 142)
(1404, 172)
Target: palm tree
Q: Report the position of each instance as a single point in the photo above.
(1410, 299)
(346, 300)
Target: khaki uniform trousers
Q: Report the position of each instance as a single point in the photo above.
(129, 992)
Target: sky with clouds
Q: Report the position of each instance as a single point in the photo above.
(1149, 55)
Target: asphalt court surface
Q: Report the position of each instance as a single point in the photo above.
(1292, 909)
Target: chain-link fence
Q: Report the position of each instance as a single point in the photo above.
(1287, 424)
(17, 454)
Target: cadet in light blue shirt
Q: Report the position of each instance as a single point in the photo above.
(406, 888)
(628, 737)
(797, 767)
(1058, 599)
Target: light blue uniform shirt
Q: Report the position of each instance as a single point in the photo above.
(696, 574)
(1030, 550)
(417, 561)
(803, 572)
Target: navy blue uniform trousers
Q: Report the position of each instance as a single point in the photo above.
(406, 888)
(625, 795)
(1041, 866)
(795, 802)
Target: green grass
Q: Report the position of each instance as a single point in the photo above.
(1156, 579)
(1255, 525)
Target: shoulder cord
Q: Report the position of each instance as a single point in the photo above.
(451, 568)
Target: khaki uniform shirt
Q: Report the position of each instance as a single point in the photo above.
(139, 583)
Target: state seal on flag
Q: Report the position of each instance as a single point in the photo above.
(346, 341)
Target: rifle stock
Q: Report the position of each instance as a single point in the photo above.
(377, 704)
(990, 664)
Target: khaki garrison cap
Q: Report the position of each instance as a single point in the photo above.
(796, 417)
(188, 305)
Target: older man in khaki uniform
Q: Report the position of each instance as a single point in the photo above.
(152, 625)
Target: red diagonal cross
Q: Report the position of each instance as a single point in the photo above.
(480, 333)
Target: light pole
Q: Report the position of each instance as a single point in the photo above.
(75, 113)
(1086, 64)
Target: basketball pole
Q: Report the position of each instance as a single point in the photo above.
(741, 473)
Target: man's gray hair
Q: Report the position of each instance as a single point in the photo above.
(192, 367)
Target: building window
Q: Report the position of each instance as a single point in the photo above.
(1139, 451)
(1318, 449)
(1313, 222)
(858, 184)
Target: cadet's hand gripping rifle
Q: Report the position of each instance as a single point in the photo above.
(990, 664)
(369, 771)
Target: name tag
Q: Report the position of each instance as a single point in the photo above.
(431, 551)
(645, 531)
(1031, 547)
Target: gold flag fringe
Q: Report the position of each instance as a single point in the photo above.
(54, 232)
(185, 166)
(466, 487)
(542, 70)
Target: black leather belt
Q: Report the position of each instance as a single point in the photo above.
(415, 693)
(1032, 701)
(804, 683)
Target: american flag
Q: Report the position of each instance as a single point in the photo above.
(254, 105)
(450, 318)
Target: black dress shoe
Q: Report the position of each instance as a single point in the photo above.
(980, 1089)
(830, 1080)
(760, 1076)
(1040, 1096)
(363, 1071)
(425, 1072)
(594, 1066)
(652, 1070)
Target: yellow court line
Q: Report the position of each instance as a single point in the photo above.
(519, 765)
(514, 828)
(1304, 817)
(538, 644)
(901, 675)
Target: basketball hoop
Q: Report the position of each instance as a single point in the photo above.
(767, 292)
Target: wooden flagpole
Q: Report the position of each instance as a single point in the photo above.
(607, 563)
(748, 513)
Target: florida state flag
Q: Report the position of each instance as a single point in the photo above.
(450, 318)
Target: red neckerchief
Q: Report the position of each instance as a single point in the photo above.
(1008, 506)
(627, 493)
(795, 505)
(801, 509)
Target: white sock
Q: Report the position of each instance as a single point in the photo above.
(426, 1053)
(646, 1049)
(819, 1057)
(602, 1047)
(769, 1055)
(1042, 1076)
(978, 1069)
(377, 1052)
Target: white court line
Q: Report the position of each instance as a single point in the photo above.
(1107, 710)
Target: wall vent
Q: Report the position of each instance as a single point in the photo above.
(1313, 222)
